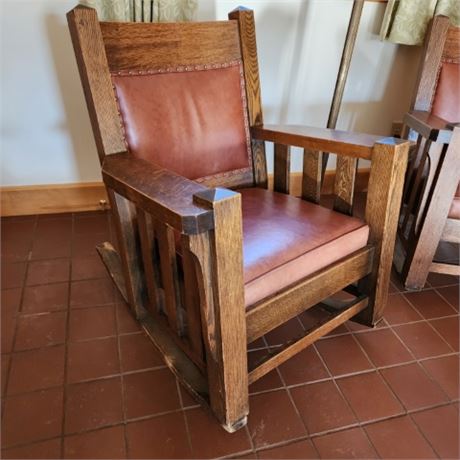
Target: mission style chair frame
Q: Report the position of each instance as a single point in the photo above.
(152, 205)
(433, 173)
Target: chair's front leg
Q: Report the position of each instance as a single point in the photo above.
(388, 166)
(219, 261)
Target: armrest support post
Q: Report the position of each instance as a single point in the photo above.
(389, 161)
(219, 258)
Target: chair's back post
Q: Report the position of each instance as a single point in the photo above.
(92, 64)
(219, 259)
(388, 165)
(429, 63)
(247, 32)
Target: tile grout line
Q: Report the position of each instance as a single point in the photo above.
(290, 394)
(184, 416)
(66, 344)
(120, 367)
(432, 327)
(280, 443)
(291, 440)
(90, 380)
(382, 377)
(337, 387)
(445, 298)
(291, 399)
(430, 377)
(71, 280)
(255, 393)
(358, 424)
(93, 339)
(419, 361)
(260, 392)
(287, 387)
(377, 370)
(416, 361)
(16, 316)
(122, 387)
(422, 434)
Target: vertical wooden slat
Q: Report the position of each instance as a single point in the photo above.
(414, 158)
(130, 254)
(147, 239)
(436, 155)
(344, 184)
(220, 256)
(417, 185)
(311, 176)
(282, 168)
(169, 275)
(245, 18)
(191, 299)
(259, 163)
(388, 165)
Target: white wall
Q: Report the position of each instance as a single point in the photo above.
(45, 132)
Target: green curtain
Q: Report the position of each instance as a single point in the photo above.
(406, 21)
(144, 10)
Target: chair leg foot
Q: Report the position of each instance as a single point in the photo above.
(237, 425)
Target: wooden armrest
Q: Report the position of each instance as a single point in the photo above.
(328, 140)
(164, 194)
(429, 126)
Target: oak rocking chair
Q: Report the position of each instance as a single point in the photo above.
(431, 201)
(209, 259)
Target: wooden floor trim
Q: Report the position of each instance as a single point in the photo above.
(52, 199)
(91, 196)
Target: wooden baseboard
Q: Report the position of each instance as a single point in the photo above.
(91, 196)
(52, 199)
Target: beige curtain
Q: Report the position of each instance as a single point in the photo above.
(406, 21)
(144, 10)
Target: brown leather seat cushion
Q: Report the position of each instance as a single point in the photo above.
(286, 239)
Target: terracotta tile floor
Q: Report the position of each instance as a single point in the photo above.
(80, 379)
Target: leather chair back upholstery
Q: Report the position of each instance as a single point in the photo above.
(446, 101)
(189, 119)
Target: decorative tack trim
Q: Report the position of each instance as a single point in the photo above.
(120, 117)
(176, 69)
(450, 60)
